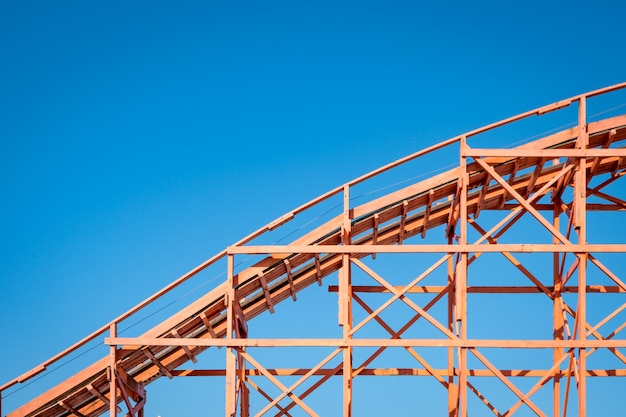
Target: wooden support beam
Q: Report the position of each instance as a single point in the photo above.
(112, 372)
(318, 269)
(148, 353)
(533, 178)
(345, 298)
(71, 409)
(375, 232)
(241, 324)
(131, 383)
(101, 397)
(460, 277)
(140, 398)
(481, 197)
(403, 211)
(278, 384)
(266, 292)
(208, 325)
(523, 202)
(496, 372)
(483, 289)
(561, 184)
(596, 161)
(617, 201)
(231, 353)
(429, 205)
(580, 223)
(188, 352)
(511, 182)
(268, 398)
(453, 213)
(308, 373)
(292, 288)
(401, 296)
(518, 373)
(547, 153)
(394, 334)
(618, 165)
(436, 248)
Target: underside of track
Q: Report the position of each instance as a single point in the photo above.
(566, 174)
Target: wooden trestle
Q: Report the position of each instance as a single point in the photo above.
(529, 180)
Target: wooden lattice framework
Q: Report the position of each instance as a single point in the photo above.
(528, 181)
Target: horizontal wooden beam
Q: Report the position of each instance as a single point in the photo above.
(397, 372)
(545, 153)
(481, 248)
(477, 289)
(473, 343)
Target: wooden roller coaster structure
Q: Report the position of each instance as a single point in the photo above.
(554, 181)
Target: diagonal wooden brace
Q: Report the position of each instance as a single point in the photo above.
(266, 292)
(292, 288)
(146, 351)
(101, 396)
(71, 409)
(188, 352)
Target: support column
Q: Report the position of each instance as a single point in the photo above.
(345, 303)
(461, 280)
(452, 393)
(580, 203)
(231, 363)
(557, 314)
(241, 332)
(112, 372)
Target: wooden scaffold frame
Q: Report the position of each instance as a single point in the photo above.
(527, 181)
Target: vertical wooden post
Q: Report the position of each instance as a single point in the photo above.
(580, 202)
(345, 301)
(461, 280)
(557, 314)
(231, 386)
(452, 393)
(112, 372)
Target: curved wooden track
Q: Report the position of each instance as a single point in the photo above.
(526, 180)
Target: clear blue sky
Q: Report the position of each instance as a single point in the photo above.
(139, 138)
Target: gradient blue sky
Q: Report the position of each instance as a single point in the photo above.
(139, 138)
